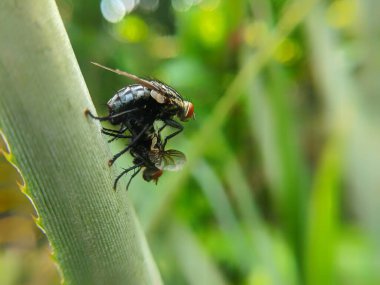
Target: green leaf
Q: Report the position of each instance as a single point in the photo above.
(92, 229)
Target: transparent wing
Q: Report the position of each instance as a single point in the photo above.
(166, 94)
(143, 82)
(158, 96)
(172, 160)
(163, 94)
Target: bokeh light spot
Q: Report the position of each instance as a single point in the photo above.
(341, 13)
(130, 4)
(132, 29)
(149, 5)
(288, 51)
(182, 5)
(211, 27)
(112, 10)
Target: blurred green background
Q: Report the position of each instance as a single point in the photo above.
(281, 184)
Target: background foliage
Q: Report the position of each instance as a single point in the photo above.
(281, 184)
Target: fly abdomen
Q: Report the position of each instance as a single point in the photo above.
(128, 97)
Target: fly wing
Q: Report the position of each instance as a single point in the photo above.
(159, 97)
(165, 94)
(172, 160)
(143, 82)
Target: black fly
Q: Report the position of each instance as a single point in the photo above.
(150, 155)
(134, 109)
(149, 101)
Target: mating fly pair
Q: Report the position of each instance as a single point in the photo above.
(134, 109)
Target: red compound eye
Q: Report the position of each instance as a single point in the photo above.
(157, 175)
(190, 111)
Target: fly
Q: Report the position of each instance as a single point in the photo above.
(135, 109)
(146, 102)
(171, 101)
(150, 155)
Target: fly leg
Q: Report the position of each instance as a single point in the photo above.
(88, 113)
(112, 130)
(116, 134)
(107, 118)
(124, 173)
(132, 176)
(134, 140)
(173, 124)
